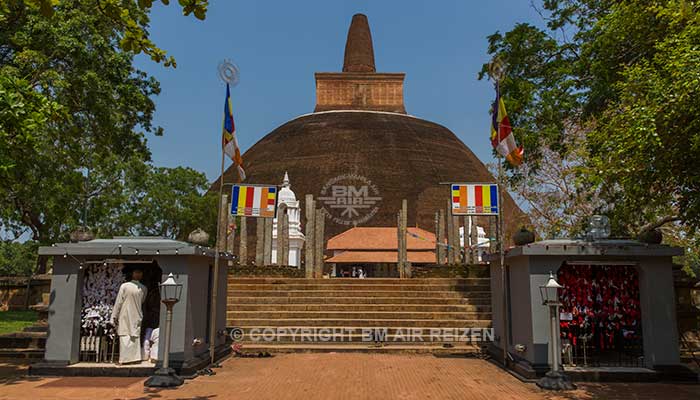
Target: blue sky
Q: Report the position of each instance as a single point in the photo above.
(278, 45)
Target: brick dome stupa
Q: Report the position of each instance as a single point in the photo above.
(361, 137)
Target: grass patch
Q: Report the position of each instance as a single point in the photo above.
(15, 321)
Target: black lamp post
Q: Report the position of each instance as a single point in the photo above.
(555, 378)
(170, 291)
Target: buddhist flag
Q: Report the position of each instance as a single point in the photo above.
(474, 199)
(253, 201)
(229, 141)
(502, 138)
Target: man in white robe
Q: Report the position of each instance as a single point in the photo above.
(127, 315)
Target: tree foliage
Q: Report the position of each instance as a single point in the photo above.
(74, 115)
(166, 202)
(130, 18)
(628, 73)
(89, 111)
(17, 259)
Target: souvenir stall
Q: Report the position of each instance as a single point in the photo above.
(101, 283)
(87, 277)
(600, 316)
(617, 306)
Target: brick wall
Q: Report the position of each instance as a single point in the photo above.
(358, 91)
(264, 271)
(450, 271)
(13, 291)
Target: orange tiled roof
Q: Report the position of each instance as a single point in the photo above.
(380, 238)
(416, 257)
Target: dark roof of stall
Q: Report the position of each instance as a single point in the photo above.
(129, 246)
(583, 248)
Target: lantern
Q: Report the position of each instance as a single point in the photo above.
(170, 291)
(550, 291)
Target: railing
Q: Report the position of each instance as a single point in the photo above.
(99, 349)
(586, 353)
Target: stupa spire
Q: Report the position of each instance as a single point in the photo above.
(359, 86)
(359, 53)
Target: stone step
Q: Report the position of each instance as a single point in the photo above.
(319, 334)
(406, 337)
(26, 334)
(437, 349)
(20, 354)
(416, 336)
(367, 281)
(360, 322)
(238, 307)
(400, 287)
(37, 328)
(236, 300)
(343, 314)
(354, 315)
(351, 329)
(23, 340)
(360, 293)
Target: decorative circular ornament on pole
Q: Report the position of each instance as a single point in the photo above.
(229, 72)
(497, 69)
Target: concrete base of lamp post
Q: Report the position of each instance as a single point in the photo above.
(164, 377)
(555, 380)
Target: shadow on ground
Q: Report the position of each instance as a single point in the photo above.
(13, 373)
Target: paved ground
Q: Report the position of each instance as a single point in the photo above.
(335, 376)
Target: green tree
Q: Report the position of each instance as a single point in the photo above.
(17, 259)
(169, 202)
(89, 111)
(130, 17)
(74, 115)
(628, 73)
(142, 199)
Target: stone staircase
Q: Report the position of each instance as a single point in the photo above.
(23, 347)
(375, 314)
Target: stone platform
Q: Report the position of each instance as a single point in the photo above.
(93, 369)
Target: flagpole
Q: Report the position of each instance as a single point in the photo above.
(501, 233)
(501, 251)
(228, 72)
(215, 280)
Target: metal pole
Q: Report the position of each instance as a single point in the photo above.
(553, 346)
(557, 338)
(504, 300)
(215, 280)
(168, 326)
(501, 235)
